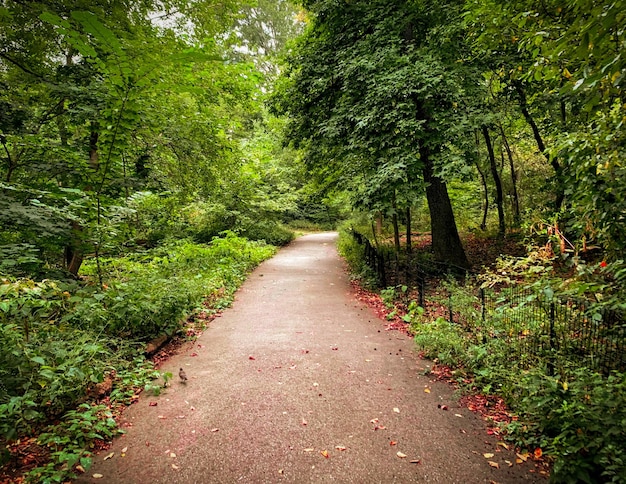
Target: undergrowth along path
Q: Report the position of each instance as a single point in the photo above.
(300, 382)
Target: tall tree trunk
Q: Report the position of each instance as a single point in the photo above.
(559, 194)
(517, 218)
(446, 244)
(73, 251)
(394, 221)
(483, 180)
(497, 181)
(408, 230)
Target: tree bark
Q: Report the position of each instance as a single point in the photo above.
(517, 218)
(73, 251)
(497, 181)
(394, 221)
(446, 243)
(408, 230)
(560, 194)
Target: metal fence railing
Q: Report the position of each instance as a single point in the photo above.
(557, 331)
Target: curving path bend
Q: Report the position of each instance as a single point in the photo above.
(296, 370)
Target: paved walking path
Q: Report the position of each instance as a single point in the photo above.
(299, 382)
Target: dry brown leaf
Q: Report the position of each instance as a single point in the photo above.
(415, 461)
(309, 450)
(502, 444)
(426, 390)
(488, 455)
(215, 430)
(125, 449)
(393, 442)
(523, 457)
(80, 469)
(281, 471)
(401, 455)
(162, 417)
(519, 461)
(172, 455)
(97, 476)
(509, 463)
(175, 467)
(340, 447)
(396, 409)
(324, 453)
(109, 456)
(494, 464)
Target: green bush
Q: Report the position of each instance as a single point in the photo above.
(582, 419)
(353, 253)
(57, 339)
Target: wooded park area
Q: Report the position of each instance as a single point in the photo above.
(153, 152)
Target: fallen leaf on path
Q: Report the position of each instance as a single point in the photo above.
(340, 447)
(368, 360)
(538, 453)
(281, 471)
(109, 456)
(316, 384)
(494, 464)
(325, 453)
(509, 463)
(415, 461)
(304, 422)
(458, 415)
(503, 444)
(426, 390)
(251, 357)
(374, 420)
(153, 404)
(393, 442)
(175, 467)
(380, 427)
(124, 450)
(194, 354)
(401, 455)
(162, 417)
(396, 409)
(80, 469)
(523, 457)
(488, 455)
(97, 476)
(309, 450)
(172, 455)
(215, 430)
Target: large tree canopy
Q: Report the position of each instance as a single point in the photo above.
(376, 93)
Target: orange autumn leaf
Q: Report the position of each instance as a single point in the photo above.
(324, 453)
(538, 453)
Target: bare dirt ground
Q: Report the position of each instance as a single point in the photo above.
(300, 382)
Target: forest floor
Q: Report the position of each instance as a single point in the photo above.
(301, 381)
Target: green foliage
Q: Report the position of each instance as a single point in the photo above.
(148, 294)
(352, 252)
(581, 418)
(576, 417)
(70, 441)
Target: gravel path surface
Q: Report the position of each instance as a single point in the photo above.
(299, 382)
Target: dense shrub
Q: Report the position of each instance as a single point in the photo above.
(58, 338)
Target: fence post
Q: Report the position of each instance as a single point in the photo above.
(482, 304)
(552, 339)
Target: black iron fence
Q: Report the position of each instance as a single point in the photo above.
(536, 328)
(560, 331)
